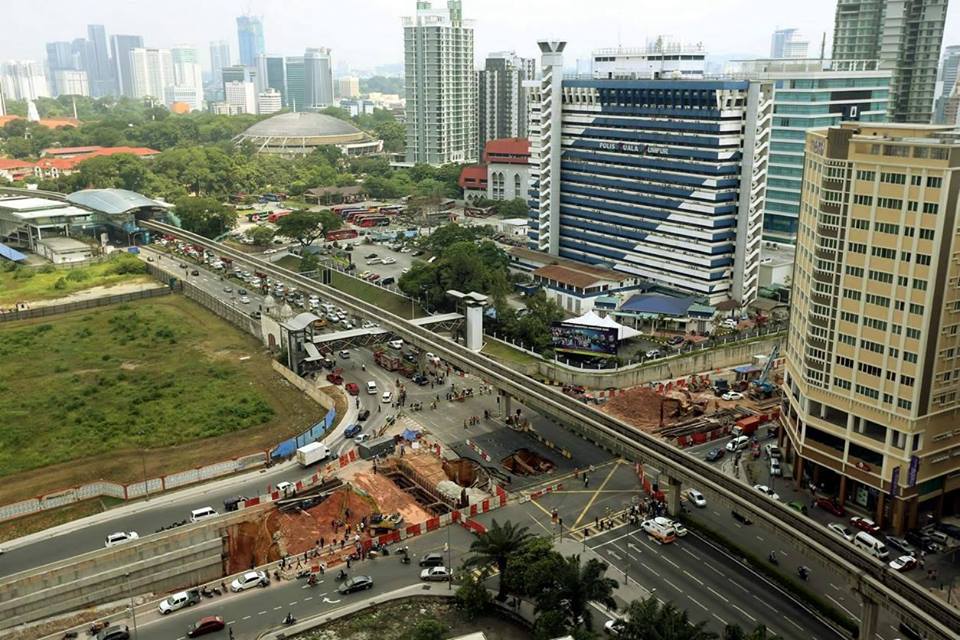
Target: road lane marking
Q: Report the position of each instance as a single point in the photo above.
(714, 569)
(690, 553)
(792, 622)
(277, 608)
(693, 577)
(666, 559)
(722, 621)
(308, 598)
(752, 619)
(247, 617)
(290, 604)
(596, 493)
(834, 586)
(765, 603)
(837, 602)
(673, 585)
(759, 538)
(260, 613)
(721, 596)
(697, 603)
(716, 513)
(648, 568)
(738, 585)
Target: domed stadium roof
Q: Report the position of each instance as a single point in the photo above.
(293, 134)
(308, 125)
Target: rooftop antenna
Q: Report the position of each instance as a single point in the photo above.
(823, 46)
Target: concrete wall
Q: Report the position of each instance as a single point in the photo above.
(158, 563)
(306, 386)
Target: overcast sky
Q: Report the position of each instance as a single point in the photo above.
(366, 33)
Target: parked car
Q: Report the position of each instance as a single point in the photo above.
(435, 574)
(363, 415)
(696, 498)
(796, 505)
(334, 378)
(352, 430)
(115, 632)
(738, 443)
(194, 273)
(387, 397)
(951, 530)
(244, 300)
(864, 525)
(205, 625)
(902, 546)
(714, 454)
(653, 353)
(767, 491)
(922, 541)
(352, 388)
(120, 537)
(732, 395)
(228, 289)
(356, 583)
(772, 451)
(841, 531)
(363, 437)
(775, 468)
(675, 340)
(903, 563)
(432, 560)
(831, 506)
(248, 580)
(345, 354)
(179, 601)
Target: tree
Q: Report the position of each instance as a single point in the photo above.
(734, 632)
(428, 629)
(571, 586)
(516, 208)
(645, 619)
(473, 599)
(524, 566)
(308, 263)
(261, 235)
(307, 226)
(206, 216)
(495, 546)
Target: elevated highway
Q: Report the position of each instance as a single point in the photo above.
(877, 585)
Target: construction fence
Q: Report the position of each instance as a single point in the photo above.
(23, 312)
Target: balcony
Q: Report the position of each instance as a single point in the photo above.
(827, 231)
(826, 254)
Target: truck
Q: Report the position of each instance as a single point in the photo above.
(748, 426)
(311, 453)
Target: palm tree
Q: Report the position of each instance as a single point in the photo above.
(495, 546)
(574, 586)
(648, 620)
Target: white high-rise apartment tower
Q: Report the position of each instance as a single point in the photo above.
(152, 71)
(23, 80)
(441, 90)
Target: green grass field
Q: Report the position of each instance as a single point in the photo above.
(97, 387)
(507, 353)
(47, 283)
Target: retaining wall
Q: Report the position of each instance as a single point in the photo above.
(306, 386)
(150, 291)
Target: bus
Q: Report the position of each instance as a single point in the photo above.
(372, 220)
(392, 209)
(341, 234)
(272, 197)
(276, 215)
(343, 210)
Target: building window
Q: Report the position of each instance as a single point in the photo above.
(914, 334)
(916, 180)
(909, 357)
(934, 183)
(904, 404)
(927, 234)
(860, 223)
(923, 258)
(916, 309)
(851, 295)
(866, 175)
(893, 178)
(889, 203)
(920, 285)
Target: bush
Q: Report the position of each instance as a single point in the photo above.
(125, 263)
(78, 275)
(60, 284)
(428, 630)
(473, 599)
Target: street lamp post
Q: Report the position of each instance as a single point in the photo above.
(449, 561)
(133, 608)
(143, 463)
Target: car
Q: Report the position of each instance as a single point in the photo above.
(241, 292)
(742, 518)
(388, 280)
(772, 451)
(286, 488)
(183, 265)
(363, 437)
(120, 537)
(432, 560)
(364, 274)
(841, 531)
(435, 574)
(352, 388)
(396, 344)
(738, 443)
(115, 632)
(730, 323)
(352, 430)
(923, 541)
(228, 289)
(417, 253)
(767, 491)
(203, 512)
(387, 397)
(732, 395)
(205, 625)
(775, 468)
(903, 563)
(389, 260)
(714, 454)
(368, 325)
(356, 583)
(334, 378)
(951, 530)
(696, 498)
(179, 601)
(796, 505)
(830, 505)
(653, 353)
(370, 256)
(244, 300)
(363, 415)
(901, 545)
(864, 524)
(194, 273)
(614, 627)
(676, 525)
(249, 579)
(675, 340)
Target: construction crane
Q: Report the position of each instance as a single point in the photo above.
(762, 388)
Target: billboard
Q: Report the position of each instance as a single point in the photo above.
(574, 338)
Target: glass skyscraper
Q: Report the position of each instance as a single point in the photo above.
(250, 39)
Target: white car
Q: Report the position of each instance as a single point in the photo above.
(396, 344)
(841, 531)
(244, 300)
(696, 498)
(177, 601)
(732, 395)
(387, 396)
(363, 437)
(120, 537)
(344, 354)
(405, 250)
(730, 323)
(389, 260)
(285, 488)
(677, 527)
(738, 443)
(368, 325)
(435, 574)
(613, 627)
(249, 579)
(767, 491)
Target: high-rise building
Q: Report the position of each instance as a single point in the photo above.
(787, 43)
(269, 101)
(440, 85)
(871, 385)
(3, 105)
(59, 58)
(241, 95)
(23, 80)
(809, 93)
(905, 36)
(99, 71)
(317, 78)
(663, 57)
(662, 179)
(348, 87)
(120, 47)
(946, 82)
(272, 74)
(219, 58)
(151, 72)
(234, 73)
(501, 97)
(186, 67)
(71, 82)
(183, 94)
(296, 91)
(250, 39)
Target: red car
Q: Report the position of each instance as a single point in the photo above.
(334, 378)
(206, 625)
(353, 389)
(864, 525)
(829, 505)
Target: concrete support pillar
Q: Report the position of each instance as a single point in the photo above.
(869, 611)
(797, 472)
(898, 515)
(842, 498)
(504, 403)
(672, 493)
(878, 514)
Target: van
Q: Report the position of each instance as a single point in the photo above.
(738, 443)
(201, 513)
(372, 388)
(871, 545)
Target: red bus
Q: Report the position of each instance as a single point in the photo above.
(341, 234)
(372, 220)
(344, 210)
(276, 215)
(392, 209)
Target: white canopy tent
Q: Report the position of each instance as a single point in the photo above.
(591, 319)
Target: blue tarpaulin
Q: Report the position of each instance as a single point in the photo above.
(286, 448)
(410, 435)
(11, 254)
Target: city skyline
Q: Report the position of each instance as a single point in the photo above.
(382, 44)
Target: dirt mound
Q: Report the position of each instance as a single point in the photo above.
(390, 498)
(639, 406)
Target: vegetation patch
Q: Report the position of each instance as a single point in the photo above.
(26, 284)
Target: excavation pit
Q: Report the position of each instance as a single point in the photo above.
(524, 462)
(465, 472)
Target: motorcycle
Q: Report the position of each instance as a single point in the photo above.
(405, 559)
(803, 572)
(773, 558)
(312, 580)
(341, 576)
(69, 635)
(289, 619)
(97, 627)
(206, 592)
